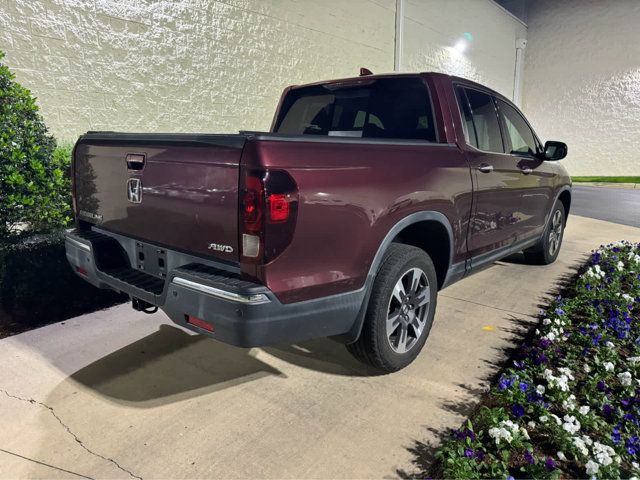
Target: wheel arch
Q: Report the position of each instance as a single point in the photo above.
(409, 231)
(565, 197)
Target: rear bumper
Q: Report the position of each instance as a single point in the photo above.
(243, 313)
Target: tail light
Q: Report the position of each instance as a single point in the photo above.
(268, 210)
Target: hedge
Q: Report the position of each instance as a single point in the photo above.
(38, 287)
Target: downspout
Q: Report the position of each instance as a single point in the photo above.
(397, 54)
(521, 44)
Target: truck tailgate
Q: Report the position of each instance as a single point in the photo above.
(179, 191)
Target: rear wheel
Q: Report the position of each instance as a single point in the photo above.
(547, 250)
(400, 310)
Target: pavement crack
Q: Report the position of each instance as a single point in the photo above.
(75, 437)
(485, 305)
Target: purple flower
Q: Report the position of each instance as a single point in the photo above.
(559, 311)
(517, 410)
(523, 386)
(607, 410)
(615, 435)
(601, 386)
(469, 453)
(506, 382)
(549, 464)
(529, 457)
(463, 434)
(633, 445)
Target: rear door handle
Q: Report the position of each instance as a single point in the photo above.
(526, 170)
(484, 168)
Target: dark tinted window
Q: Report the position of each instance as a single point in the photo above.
(485, 121)
(390, 108)
(517, 130)
(467, 119)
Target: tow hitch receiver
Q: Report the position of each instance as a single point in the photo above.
(142, 306)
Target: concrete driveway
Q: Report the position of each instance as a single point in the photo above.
(119, 394)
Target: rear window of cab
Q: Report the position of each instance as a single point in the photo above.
(393, 108)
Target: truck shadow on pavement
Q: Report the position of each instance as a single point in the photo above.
(323, 355)
(170, 365)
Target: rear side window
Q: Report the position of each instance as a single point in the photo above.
(517, 130)
(486, 129)
(398, 108)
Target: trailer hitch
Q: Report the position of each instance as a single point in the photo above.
(142, 306)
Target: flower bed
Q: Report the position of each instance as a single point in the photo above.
(569, 404)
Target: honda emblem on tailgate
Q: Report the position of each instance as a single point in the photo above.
(134, 190)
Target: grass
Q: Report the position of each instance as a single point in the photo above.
(620, 179)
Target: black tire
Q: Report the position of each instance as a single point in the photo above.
(374, 346)
(544, 252)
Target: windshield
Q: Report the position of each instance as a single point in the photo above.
(388, 108)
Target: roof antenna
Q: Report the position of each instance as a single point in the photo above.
(365, 72)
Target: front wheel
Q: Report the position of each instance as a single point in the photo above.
(547, 250)
(400, 310)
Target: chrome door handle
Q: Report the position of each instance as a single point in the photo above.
(484, 168)
(526, 171)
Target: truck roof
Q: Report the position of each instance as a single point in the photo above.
(364, 79)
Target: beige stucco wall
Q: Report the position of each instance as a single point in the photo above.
(582, 81)
(189, 65)
(433, 27)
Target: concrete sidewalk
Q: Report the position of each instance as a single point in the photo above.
(120, 394)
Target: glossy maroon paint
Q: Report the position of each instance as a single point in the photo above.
(189, 194)
(351, 192)
(349, 198)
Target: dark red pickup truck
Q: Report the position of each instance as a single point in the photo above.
(368, 196)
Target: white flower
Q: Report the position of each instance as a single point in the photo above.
(543, 419)
(625, 378)
(546, 321)
(540, 388)
(633, 360)
(566, 371)
(627, 297)
(604, 453)
(557, 419)
(571, 424)
(532, 424)
(592, 467)
(580, 445)
(586, 368)
(561, 456)
(501, 432)
(609, 344)
(608, 366)
(620, 266)
(569, 403)
(584, 410)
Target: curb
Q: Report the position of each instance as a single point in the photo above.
(607, 185)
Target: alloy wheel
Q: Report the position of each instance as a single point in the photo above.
(408, 310)
(555, 234)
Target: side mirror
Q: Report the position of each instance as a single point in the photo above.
(555, 150)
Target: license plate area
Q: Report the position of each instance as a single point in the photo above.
(151, 259)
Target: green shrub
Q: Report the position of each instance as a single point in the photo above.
(38, 287)
(34, 180)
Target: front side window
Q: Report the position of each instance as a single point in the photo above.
(485, 121)
(522, 138)
(397, 108)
